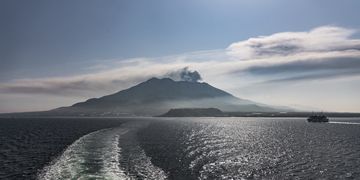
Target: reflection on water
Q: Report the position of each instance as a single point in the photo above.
(248, 148)
(339, 122)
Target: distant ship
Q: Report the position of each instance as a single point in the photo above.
(318, 118)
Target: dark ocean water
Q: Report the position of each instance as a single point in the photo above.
(179, 148)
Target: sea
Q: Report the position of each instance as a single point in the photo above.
(179, 148)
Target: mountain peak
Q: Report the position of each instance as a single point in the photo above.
(166, 79)
(155, 79)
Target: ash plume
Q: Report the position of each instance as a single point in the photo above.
(185, 74)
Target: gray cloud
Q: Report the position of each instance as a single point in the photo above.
(314, 76)
(80, 87)
(46, 88)
(100, 83)
(307, 66)
(77, 86)
(321, 39)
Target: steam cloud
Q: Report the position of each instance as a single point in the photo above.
(185, 74)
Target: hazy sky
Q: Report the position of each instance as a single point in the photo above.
(299, 53)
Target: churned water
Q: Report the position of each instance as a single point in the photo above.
(179, 148)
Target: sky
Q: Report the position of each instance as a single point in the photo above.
(303, 54)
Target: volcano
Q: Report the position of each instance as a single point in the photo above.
(156, 96)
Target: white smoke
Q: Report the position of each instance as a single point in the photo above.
(185, 74)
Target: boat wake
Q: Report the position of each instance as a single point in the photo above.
(339, 122)
(104, 154)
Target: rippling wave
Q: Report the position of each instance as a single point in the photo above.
(253, 148)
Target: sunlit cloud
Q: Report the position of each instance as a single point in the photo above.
(321, 39)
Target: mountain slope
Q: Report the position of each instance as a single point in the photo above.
(157, 96)
(156, 90)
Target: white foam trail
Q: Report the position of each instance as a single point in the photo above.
(339, 122)
(95, 155)
(99, 155)
(111, 159)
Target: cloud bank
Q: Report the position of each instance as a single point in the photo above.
(321, 39)
(322, 53)
(326, 52)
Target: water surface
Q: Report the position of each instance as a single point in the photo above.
(179, 148)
